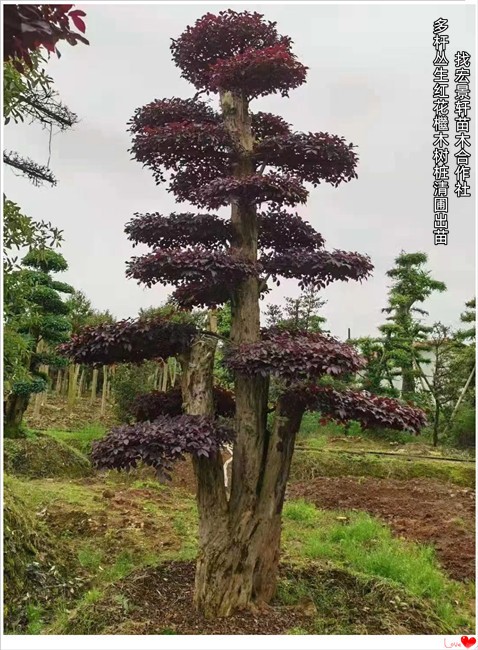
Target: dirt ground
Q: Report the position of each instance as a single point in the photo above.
(420, 510)
(159, 601)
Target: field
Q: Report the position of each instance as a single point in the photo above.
(378, 538)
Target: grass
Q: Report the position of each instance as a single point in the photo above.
(40, 493)
(308, 465)
(42, 457)
(80, 439)
(117, 524)
(362, 543)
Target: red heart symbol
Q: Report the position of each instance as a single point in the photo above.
(468, 641)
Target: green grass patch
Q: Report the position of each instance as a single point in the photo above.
(81, 439)
(40, 493)
(308, 465)
(185, 523)
(362, 543)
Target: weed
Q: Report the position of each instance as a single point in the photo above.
(300, 510)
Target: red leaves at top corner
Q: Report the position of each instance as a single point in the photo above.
(29, 27)
(77, 21)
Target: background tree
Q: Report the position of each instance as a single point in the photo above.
(234, 157)
(412, 285)
(36, 316)
(462, 380)
(302, 313)
(21, 231)
(441, 344)
(377, 375)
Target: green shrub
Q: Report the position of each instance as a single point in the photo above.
(462, 432)
(129, 381)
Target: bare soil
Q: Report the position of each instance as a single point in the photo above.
(421, 510)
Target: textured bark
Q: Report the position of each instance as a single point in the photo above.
(239, 548)
(14, 408)
(239, 539)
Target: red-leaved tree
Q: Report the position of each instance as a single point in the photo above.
(234, 157)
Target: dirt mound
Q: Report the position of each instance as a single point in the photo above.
(421, 510)
(159, 601)
(43, 457)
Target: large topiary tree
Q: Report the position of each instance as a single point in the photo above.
(238, 158)
(412, 285)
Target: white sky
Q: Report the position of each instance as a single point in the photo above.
(370, 80)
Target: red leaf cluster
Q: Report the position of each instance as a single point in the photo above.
(129, 341)
(160, 443)
(267, 125)
(29, 27)
(199, 294)
(162, 112)
(150, 406)
(280, 189)
(370, 410)
(313, 157)
(207, 271)
(186, 146)
(258, 72)
(294, 355)
(317, 268)
(279, 230)
(177, 267)
(175, 230)
(220, 37)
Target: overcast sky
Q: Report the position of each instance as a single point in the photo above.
(369, 80)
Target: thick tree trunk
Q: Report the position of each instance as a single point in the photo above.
(14, 409)
(239, 548)
(239, 539)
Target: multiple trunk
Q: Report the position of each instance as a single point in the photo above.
(239, 536)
